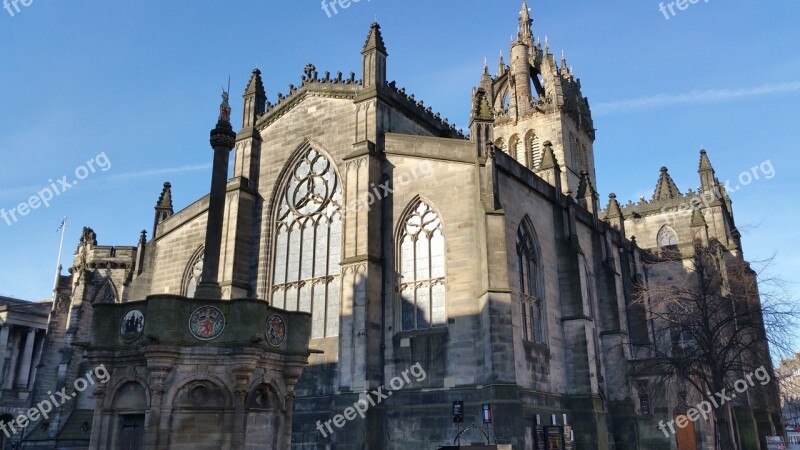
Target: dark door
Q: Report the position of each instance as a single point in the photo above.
(131, 432)
(686, 436)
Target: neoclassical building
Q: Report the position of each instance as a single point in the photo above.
(485, 257)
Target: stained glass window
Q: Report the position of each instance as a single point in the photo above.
(308, 244)
(530, 292)
(422, 270)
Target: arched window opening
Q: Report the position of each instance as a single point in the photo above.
(308, 244)
(667, 237)
(194, 274)
(530, 292)
(422, 270)
(536, 152)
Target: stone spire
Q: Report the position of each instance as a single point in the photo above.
(666, 188)
(706, 171)
(163, 206)
(374, 59)
(549, 170)
(255, 100)
(587, 197)
(375, 40)
(525, 34)
(222, 140)
(614, 214)
(501, 66)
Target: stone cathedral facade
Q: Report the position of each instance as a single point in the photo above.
(487, 259)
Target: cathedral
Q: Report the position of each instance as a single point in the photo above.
(358, 237)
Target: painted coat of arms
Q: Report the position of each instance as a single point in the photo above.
(131, 325)
(206, 323)
(276, 330)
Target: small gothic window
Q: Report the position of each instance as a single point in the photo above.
(667, 237)
(194, 275)
(501, 144)
(528, 271)
(536, 152)
(520, 152)
(308, 244)
(644, 397)
(422, 270)
(106, 294)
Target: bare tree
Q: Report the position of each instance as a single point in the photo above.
(710, 326)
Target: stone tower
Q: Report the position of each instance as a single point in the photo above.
(532, 100)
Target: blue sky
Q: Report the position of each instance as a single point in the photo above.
(140, 81)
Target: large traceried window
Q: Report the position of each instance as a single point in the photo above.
(530, 290)
(308, 244)
(422, 270)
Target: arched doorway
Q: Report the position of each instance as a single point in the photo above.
(686, 436)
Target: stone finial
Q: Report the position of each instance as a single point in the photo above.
(697, 218)
(613, 210)
(548, 157)
(375, 40)
(165, 199)
(666, 188)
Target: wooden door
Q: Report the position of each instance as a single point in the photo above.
(131, 433)
(686, 436)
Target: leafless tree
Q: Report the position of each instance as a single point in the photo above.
(712, 320)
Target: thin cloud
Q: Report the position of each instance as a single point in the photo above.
(714, 95)
(33, 189)
(153, 172)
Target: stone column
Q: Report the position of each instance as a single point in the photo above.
(98, 419)
(242, 375)
(3, 346)
(27, 357)
(13, 358)
(153, 435)
(287, 422)
(37, 359)
(222, 141)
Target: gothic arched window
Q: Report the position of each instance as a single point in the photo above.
(422, 270)
(530, 284)
(106, 293)
(193, 273)
(308, 243)
(667, 237)
(536, 152)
